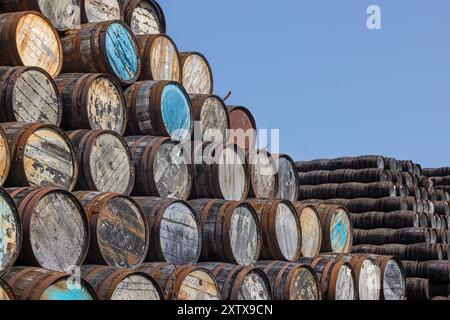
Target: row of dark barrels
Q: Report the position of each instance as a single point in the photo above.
(331, 277)
(428, 280)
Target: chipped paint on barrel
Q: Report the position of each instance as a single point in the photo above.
(339, 234)
(122, 52)
(176, 112)
(8, 233)
(61, 291)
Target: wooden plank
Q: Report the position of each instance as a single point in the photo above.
(303, 286)
(254, 288)
(197, 77)
(244, 237)
(9, 234)
(164, 63)
(101, 10)
(60, 291)
(64, 14)
(232, 176)
(134, 288)
(145, 20)
(198, 285)
(287, 232)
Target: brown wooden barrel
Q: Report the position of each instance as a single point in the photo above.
(240, 283)
(159, 57)
(408, 179)
(212, 117)
(196, 73)
(291, 281)
(336, 228)
(231, 231)
(263, 174)
(105, 161)
(374, 236)
(442, 207)
(392, 277)
(418, 169)
(287, 178)
(401, 190)
(119, 230)
(54, 212)
(418, 289)
(436, 172)
(397, 250)
(439, 181)
(29, 39)
(56, 167)
(5, 157)
(98, 11)
(29, 94)
(159, 108)
(174, 230)
(116, 284)
(423, 252)
(364, 162)
(6, 292)
(281, 229)
(366, 205)
(348, 191)
(10, 232)
(407, 166)
(184, 282)
(39, 284)
(368, 220)
(93, 101)
(243, 127)
(144, 16)
(389, 220)
(436, 271)
(415, 235)
(162, 169)
(343, 176)
(220, 172)
(311, 229)
(432, 221)
(445, 251)
(103, 47)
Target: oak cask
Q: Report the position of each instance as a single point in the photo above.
(243, 127)
(311, 229)
(196, 73)
(211, 116)
(144, 17)
(99, 11)
(263, 174)
(288, 180)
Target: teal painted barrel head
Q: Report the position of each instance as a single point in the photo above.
(340, 232)
(122, 51)
(61, 291)
(9, 234)
(177, 112)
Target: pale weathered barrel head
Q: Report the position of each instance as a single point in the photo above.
(211, 115)
(196, 73)
(233, 179)
(98, 11)
(255, 286)
(145, 17)
(311, 229)
(344, 287)
(393, 281)
(287, 178)
(243, 126)
(369, 281)
(263, 174)
(304, 285)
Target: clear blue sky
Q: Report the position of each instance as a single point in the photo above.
(314, 70)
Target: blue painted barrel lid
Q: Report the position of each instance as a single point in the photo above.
(122, 52)
(62, 291)
(340, 232)
(176, 111)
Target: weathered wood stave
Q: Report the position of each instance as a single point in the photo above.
(363, 162)
(5, 157)
(6, 292)
(243, 127)
(389, 220)
(387, 236)
(196, 73)
(374, 190)
(311, 227)
(93, 11)
(288, 180)
(144, 16)
(263, 173)
(343, 176)
(418, 289)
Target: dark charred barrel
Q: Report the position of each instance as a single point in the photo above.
(389, 220)
(401, 190)
(442, 208)
(93, 101)
(183, 283)
(423, 252)
(412, 203)
(287, 178)
(29, 39)
(105, 161)
(407, 166)
(439, 289)
(445, 251)
(336, 228)
(418, 169)
(348, 191)
(159, 108)
(103, 47)
(397, 176)
(291, 281)
(432, 221)
(212, 116)
(5, 157)
(162, 169)
(420, 205)
(408, 179)
(119, 230)
(425, 182)
(243, 127)
(240, 283)
(343, 176)
(411, 268)
(363, 162)
(6, 292)
(29, 94)
(392, 277)
(441, 181)
(54, 212)
(159, 57)
(391, 164)
(425, 195)
(414, 235)
(311, 229)
(263, 174)
(95, 11)
(220, 172)
(368, 220)
(174, 230)
(281, 229)
(415, 191)
(438, 172)
(436, 271)
(374, 236)
(442, 236)
(40, 284)
(196, 73)
(116, 284)
(397, 250)
(231, 231)
(56, 167)
(144, 16)
(418, 289)
(445, 188)
(10, 232)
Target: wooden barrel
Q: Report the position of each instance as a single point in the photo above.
(159, 57)
(336, 228)
(239, 283)
(439, 181)
(93, 101)
(311, 229)
(99, 11)
(424, 252)
(183, 283)
(408, 179)
(10, 232)
(56, 167)
(385, 236)
(243, 127)
(418, 289)
(263, 173)
(445, 251)
(159, 108)
(401, 190)
(40, 284)
(212, 117)
(220, 172)
(389, 220)
(291, 281)
(119, 230)
(407, 166)
(436, 271)
(29, 39)
(105, 161)
(116, 284)
(281, 229)
(162, 169)
(418, 169)
(103, 47)
(348, 191)
(442, 207)
(196, 73)
(144, 16)
(432, 221)
(29, 94)
(392, 277)
(366, 205)
(63, 14)
(231, 231)
(54, 212)
(6, 292)
(364, 162)
(439, 289)
(5, 157)
(174, 230)
(287, 178)
(436, 172)
(343, 176)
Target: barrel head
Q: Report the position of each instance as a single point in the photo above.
(62, 290)
(196, 72)
(232, 175)
(255, 287)
(95, 11)
(145, 18)
(63, 14)
(136, 287)
(198, 284)
(10, 232)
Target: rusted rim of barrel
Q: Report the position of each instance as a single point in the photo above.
(180, 276)
(252, 153)
(84, 18)
(198, 103)
(240, 277)
(300, 207)
(290, 276)
(336, 268)
(7, 157)
(6, 288)
(183, 56)
(129, 8)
